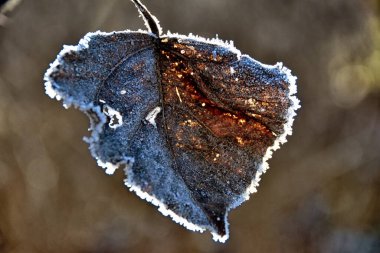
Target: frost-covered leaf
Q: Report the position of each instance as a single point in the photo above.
(192, 120)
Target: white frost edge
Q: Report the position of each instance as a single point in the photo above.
(229, 45)
(110, 112)
(216, 237)
(109, 167)
(146, 22)
(162, 208)
(151, 117)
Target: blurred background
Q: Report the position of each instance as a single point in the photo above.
(321, 194)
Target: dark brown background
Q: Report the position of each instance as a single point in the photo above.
(322, 193)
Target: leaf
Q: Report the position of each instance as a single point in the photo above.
(192, 120)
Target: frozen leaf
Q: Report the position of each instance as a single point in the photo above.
(192, 120)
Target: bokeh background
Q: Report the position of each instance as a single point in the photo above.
(322, 193)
